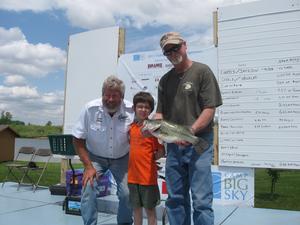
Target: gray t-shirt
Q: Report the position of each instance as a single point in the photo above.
(182, 97)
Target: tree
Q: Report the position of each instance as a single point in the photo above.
(17, 122)
(275, 175)
(5, 117)
(49, 123)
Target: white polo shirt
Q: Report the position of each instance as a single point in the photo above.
(105, 136)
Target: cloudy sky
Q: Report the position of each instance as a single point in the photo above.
(34, 36)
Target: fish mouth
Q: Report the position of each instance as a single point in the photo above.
(155, 129)
(148, 126)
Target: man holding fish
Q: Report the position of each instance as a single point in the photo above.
(187, 96)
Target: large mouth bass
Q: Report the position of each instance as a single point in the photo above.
(170, 133)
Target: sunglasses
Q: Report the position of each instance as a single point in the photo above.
(169, 51)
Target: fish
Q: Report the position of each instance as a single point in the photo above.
(170, 132)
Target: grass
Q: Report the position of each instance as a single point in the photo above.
(287, 190)
(51, 176)
(286, 197)
(31, 131)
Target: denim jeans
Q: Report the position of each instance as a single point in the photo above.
(118, 168)
(187, 171)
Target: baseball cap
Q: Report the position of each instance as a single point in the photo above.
(171, 38)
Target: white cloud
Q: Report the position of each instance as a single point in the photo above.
(205, 39)
(2, 106)
(19, 93)
(136, 13)
(10, 35)
(190, 17)
(18, 56)
(28, 105)
(129, 13)
(20, 60)
(142, 44)
(52, 97)
(179, 14)
(34, 5)
(14, 80)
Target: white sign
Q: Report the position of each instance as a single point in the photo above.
(142, 71)
(259, 77)
(231, 186)
(92, 56)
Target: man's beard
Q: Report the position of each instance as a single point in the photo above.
(111, 108)
(176, 60)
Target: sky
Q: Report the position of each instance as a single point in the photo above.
(34, 37)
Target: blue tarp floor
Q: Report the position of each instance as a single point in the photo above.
(25, 207)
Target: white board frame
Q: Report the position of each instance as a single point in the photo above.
(92, 56)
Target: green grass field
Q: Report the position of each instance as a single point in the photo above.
(287, 190)
(35, 131)
(51, 176)
(286, 196)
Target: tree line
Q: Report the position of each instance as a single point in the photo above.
(29, 130)
(7, 119)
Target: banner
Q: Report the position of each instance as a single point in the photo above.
(142, 71)
(231, 186)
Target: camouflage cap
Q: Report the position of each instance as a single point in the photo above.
(171, 38)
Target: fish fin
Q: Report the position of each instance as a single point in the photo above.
(160, 141)
(146, 133)
(201, 145)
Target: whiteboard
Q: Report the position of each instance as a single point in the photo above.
(92, 56)
(142, 71)
(259, 77)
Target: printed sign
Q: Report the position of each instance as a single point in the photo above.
(231, 186)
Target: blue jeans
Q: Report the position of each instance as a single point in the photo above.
(187, 170)
(118, 168)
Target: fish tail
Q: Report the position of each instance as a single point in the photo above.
(195, 140)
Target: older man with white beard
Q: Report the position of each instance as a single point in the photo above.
(101, 141)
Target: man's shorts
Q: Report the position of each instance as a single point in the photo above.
(146, 196)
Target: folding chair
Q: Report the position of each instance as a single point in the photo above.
(34, 171)
(24, 156)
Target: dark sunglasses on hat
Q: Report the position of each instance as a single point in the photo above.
(169, 51)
